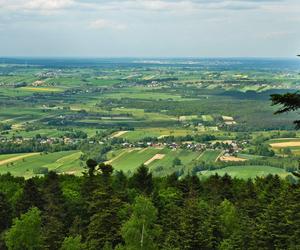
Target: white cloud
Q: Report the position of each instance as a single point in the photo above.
(47, 4)
(106, 24)
(150, 5)
(18, 6)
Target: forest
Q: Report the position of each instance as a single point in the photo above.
(105, 209)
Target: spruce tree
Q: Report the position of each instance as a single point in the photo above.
(142, 180)
(272, 226)
(104, 223)
(195, 229)
(5, 213)
(54, 216)
(31, 197)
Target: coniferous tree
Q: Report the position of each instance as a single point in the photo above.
(190, 186)
(5, 213)
(142, 180)
(289, 102)
(272, 223)
(73, 243)
(247, 200)
(104, 223)
(293, 215)
(195, 229)
(120, 181)
(54, 216)
(226, 190)
(169, 220)
(228, 218)
(31, 197)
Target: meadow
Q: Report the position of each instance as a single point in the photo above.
(28, 165)
(128, 160)
(246, 172)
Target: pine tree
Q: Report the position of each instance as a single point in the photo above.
(54, 216)
(31, 197)
(169, 220)
(91, 182)
(142, 180)
(293, 215)
(195, 229)
(247, 199)
(167, 202)
(272, 225)
(5, 213)
(120, 181)
(190, 186)
(104, 223)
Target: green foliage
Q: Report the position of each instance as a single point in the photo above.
(5, 213)
(104, 225)
(229, 218)
(72, 243)
(142, 180)
(25, 234)
(195, 229)
(54, 217)
(263, 150)
(105, 211)
(31, 196)
(140, 231)
(176, 161)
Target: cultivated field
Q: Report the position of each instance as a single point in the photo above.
(246, 172)
(27, 164)
(130, 159)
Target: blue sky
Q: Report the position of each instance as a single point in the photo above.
(150, 28)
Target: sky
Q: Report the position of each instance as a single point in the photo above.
(150, 28)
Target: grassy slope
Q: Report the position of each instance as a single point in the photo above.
(128, 159)
(210, 155)
(60, 161)
(246, 172)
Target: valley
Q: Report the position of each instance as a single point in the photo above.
(212, 116)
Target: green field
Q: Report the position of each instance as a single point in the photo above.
(62, 162)
(207, 118)
(130, 159)
(246, 172)
(210, 155)
(155, 132)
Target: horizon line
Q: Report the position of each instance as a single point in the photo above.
(148, 57)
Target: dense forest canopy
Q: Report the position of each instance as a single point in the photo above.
(105, 209)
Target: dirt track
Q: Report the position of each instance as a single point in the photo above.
(231, 158)
(285, 144)
(118, 134)
(16, 158)
(155, 157)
